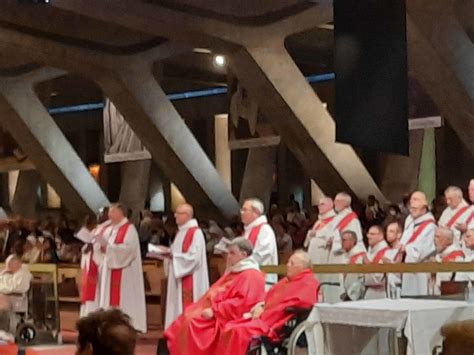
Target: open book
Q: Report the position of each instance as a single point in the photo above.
(158, 251)
(221, 247)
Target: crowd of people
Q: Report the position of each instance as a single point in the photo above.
(245, 302)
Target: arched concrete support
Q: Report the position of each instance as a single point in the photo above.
(300, 119)
(25, 198)
(135, 177)
(128, 81)
(258, 176)
(173, 147)
(27, 120)
(269, 74)
(441, 55)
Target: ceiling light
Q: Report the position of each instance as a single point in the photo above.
(219, 60)
(202, 50)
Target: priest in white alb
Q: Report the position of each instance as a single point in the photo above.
(417, 243)
(317, 238)
(91, 262)
(456, 214)
(469, 224)
(446, 252)
(188, 278)
(346, 220)
(261, 235)
(121, 272)
(375, 283)
(352, 285)
(468, 258)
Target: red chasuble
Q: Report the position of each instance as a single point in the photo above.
(230, 297)
(301, 291)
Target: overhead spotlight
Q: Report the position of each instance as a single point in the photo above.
(202, 50)
(219, 60)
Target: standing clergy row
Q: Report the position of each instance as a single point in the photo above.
(337, 238)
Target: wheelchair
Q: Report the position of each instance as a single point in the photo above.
(21, 322)
(292, 335)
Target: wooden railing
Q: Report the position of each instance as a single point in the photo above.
(431, 267)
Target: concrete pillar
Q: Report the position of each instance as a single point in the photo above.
(399, 174)
(427, 175)
(221, 148)
(298, 116)
(135, 176)
(25, 198)
(27, 120)
(258, 176)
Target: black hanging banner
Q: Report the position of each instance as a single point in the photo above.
(371, 74)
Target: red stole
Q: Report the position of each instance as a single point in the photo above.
(89, 278)
(379, 255)
(254, 233)
(321, 224)
(353, 258)
(419, 230)
(187, 281)
(452, 256)
(116, 278)
(456, 216)
(346, 220)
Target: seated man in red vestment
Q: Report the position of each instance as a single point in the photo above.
(197, 330)
(298, 289)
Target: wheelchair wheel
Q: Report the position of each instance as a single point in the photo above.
(293, 340)
(25, 333)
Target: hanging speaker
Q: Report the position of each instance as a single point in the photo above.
(371, 74)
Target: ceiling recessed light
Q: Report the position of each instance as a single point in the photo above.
(219, 60)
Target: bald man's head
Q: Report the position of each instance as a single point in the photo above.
(184, 213)
(298, 262)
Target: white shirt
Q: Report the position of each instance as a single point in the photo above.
(449, 213)
(265, 251)
(317, 238)
(445, 276)
(353, 226)
(417, 251)
(193, 262)
(127, 257)
(19, 282)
